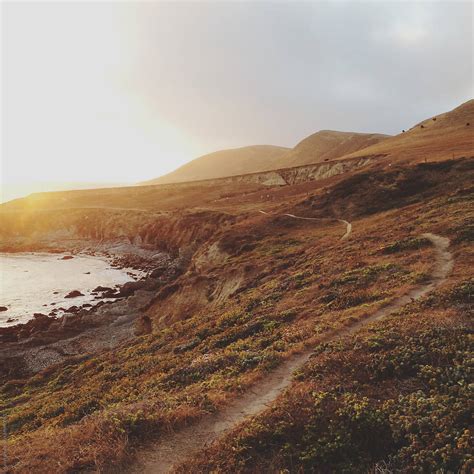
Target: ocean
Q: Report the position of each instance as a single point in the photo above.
(38, 282)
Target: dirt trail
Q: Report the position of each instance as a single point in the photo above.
(346, 223)
(176, 447)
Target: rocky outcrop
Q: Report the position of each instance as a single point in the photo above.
(74, 294)
(323, 170)
(299, 174)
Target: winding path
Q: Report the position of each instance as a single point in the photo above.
(346, 223)
(175, 448)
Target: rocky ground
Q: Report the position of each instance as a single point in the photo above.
(118, 314)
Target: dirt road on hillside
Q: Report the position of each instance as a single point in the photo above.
(175, 448)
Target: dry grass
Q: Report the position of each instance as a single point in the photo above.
(299, 282)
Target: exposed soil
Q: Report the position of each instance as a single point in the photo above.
(176, 447)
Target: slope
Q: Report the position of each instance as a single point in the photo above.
(327, 145)
(258, 291)
(324, 145)
(223, 163)
(448, 135)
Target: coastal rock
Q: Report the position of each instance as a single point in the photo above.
(40, 322)
(68, 320)
(131, 287)
(100, 289)
(74, 294)
(109, 294)
(3, 308)
(66, 257)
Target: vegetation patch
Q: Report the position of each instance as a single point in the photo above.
(412, 243)
(402, 404)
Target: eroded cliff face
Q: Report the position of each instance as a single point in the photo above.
(300, 174)
(104, 229)
(323, 170)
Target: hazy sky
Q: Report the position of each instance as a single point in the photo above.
(127, 91)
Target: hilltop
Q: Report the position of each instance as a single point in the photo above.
(328, 145)
(322, 146)
(223, 163)
(447, 135)
(428, 139)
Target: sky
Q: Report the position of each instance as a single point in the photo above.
(97, 93)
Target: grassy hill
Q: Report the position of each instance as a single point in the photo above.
(328, 145)
(428, 140)
(448, 135)
(321, 146)
(223, 163)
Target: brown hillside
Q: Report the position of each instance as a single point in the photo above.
(324, 145)
(328, 145)
(447, 135)
(223, 163)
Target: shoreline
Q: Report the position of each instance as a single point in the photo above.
(44, 340)
(140, 269)
(100, 292)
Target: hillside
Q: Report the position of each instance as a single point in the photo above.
(320, 323)
(249, 159)
(328, 145)
(322, 146)
(258, 289)
(443, 136)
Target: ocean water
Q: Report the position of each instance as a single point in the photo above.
(31, 282)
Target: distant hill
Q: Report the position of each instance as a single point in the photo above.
(447, 135)
(328, 145)
(321, 146)
(224, 163)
